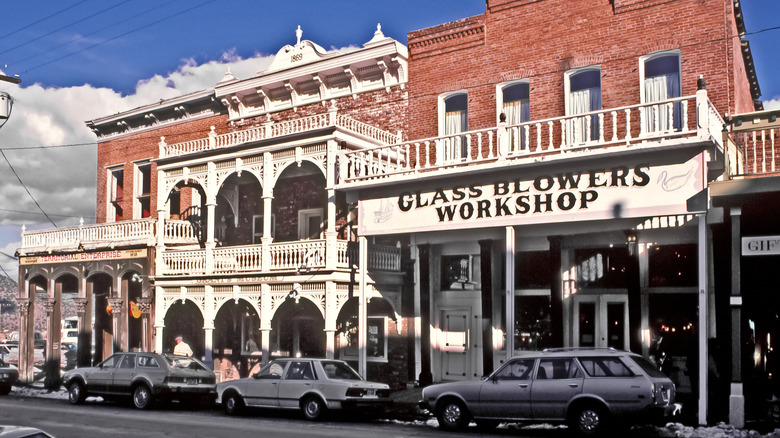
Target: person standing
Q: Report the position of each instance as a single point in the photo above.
(182, 348)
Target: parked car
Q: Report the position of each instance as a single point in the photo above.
(587, 388)
(10, 353)
(8, 376)
(22, 432)
(311, 385)
(146, 377)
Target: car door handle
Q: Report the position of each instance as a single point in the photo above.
(573, 385)
(522, 385)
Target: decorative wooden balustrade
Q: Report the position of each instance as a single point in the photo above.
(755, 152)
(278, 129)
(691, 118)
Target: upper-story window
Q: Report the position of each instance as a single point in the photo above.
(583, 95)
(453, 118)
(514, 103)
(143, 188)
(115, 194)
(660, 73)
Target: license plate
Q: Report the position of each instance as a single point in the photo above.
(371, 393)
(192, 381)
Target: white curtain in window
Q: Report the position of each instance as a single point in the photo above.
(580, 102)
(517, 112)
(657, 89)
(455, 122)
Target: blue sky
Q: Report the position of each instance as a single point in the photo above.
(83, 59)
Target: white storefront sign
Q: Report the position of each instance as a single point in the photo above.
(761, 245)
(640, 190)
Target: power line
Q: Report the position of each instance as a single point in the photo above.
(119, 36)
(50, 214)
(41, 20)
(63, 27)
(22, 148)
(26, 189)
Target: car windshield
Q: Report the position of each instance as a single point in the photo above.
(340, 370)
(184, 363)
(648, 367)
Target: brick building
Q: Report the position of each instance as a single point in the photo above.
(554, 185)
(218, 220)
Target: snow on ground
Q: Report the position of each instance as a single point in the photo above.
(670, 430)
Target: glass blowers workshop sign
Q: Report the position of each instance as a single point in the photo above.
(639, 190)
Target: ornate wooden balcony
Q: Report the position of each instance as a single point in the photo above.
(691, 119)
(753, 149)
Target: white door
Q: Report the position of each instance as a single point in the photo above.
(454, 344)
(601, 321)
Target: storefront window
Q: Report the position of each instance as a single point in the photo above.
(532, 322)
(459, 272)
(602, 267)
(532, 270)
(673, 265)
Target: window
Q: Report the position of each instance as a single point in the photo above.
(376, 339)
(300, 371)
(660, 73)
(128, 362)
(453, 118)
(673, 265)
(518, 369)
(257, 227)
(514, 102)
(605, 367)
(583, 95)
(456, 272)
(558, 369)
(309, 223)
(148, 362)
(533, 328)
(143, 189)
(115, 194)
(533, 270)
(602, 267)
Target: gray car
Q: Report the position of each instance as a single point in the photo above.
(145, 377)
(584, 387)
(311, 385)
(8, 376)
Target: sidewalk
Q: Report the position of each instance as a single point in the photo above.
(405, 409)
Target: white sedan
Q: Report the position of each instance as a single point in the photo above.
(311, 385)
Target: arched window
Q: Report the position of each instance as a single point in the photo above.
(660, 82)
(583, 96)
(453, 110)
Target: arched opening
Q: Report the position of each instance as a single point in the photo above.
(237, 338)
(297, 330)
(135, 328)
(239, 211)
(379, 314)
(299, 203)
(187, 203)
(186, 320)
(99, 288)
(65, 335)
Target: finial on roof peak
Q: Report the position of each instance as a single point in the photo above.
(378, 33)
(298, 34)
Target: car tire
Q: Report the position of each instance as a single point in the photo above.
(77, 393)
(233, 404)
(588, 420)
(142, 397)
(453, 415)
(314, 408)
(5, 389)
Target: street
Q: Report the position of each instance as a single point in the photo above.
(94, 419)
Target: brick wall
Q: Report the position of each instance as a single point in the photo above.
(541, 40)
(124, 151)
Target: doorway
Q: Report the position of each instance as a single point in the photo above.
(454, 344)
(601, 321)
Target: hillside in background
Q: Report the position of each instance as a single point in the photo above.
(9, 315)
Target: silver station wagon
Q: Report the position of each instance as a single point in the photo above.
(145, 377)
(585, 388)
(311, 385)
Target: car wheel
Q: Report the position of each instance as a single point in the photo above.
(233, 404)
(453, 415)
(76, 393)
(5, 389)
(314, 408)
(588, 420)
(142, 397)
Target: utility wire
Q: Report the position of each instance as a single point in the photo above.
(112, 25)
(120, 35)
(70, 216)
(64, 27)
(26, 189)
(41, 20)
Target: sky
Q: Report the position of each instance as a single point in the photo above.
(79, 60)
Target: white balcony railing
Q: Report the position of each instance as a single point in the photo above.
(755, 152)
(278, 129)
(691, 117)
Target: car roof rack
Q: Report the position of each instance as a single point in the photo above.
(565, 349)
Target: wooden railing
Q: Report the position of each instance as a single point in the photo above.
(755, 153)
(277, 129)
(691, 117)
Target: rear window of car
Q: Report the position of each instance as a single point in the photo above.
(148, 362)
(648, 367)
(339, 370)
(182, 362)
(605, 367)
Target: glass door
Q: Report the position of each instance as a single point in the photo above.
(601, 321)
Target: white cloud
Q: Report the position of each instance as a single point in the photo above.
(772, 104)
